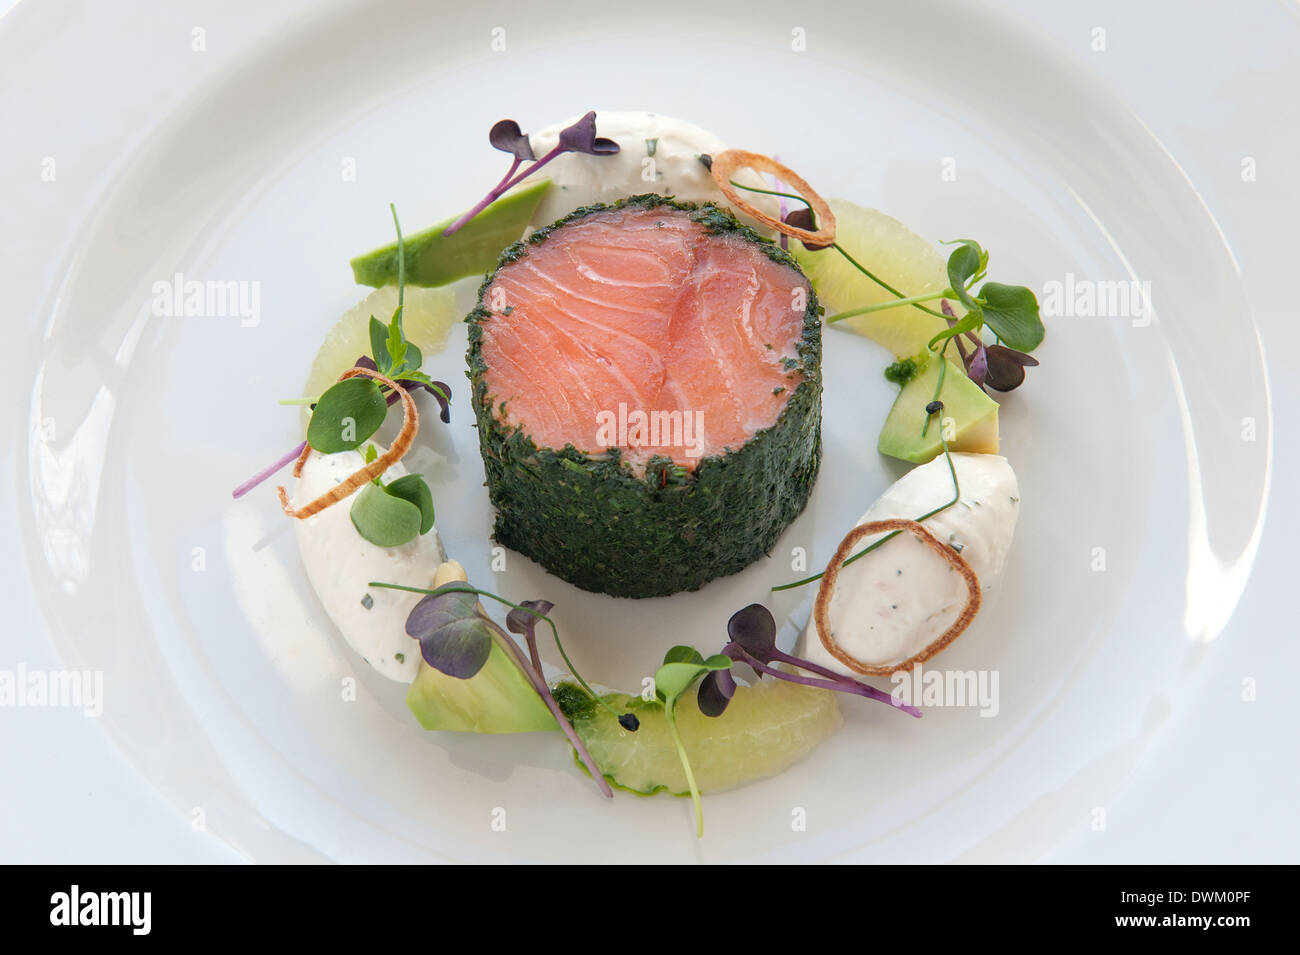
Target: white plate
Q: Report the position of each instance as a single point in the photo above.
(225, 684)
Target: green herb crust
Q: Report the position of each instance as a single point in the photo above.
(591, 520)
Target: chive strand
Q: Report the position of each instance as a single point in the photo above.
(956, 496)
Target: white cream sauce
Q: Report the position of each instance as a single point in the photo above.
(340, 563)
(656, 154)
(897, 600)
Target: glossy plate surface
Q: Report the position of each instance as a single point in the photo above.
(1142, 502)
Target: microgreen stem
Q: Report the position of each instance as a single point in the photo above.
(532, 669)
(401, 266)
(505, 185)
(879, 281)
(544, 691)
(905, 300)
(670, 713)
(881, 306)
(835, 682)
(298, 401)
(956, 496)
(496, 193)
(555, 632)
(938, 387)
(262, 475)
(771, 192)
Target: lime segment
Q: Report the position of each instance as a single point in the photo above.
(765, 730)
(426, 320)
(895, 254)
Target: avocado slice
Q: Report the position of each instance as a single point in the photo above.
(497, 699)
(432, 259)
(974, 415)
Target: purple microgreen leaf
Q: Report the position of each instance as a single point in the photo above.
(506, 136)
(454, 636)
(466, 608)
(1006, 368)
(520, 621)
(753, 641)
(581, 138)
(977, 367)
(803, 218)
(1010, 354)
(715, 692)
(754, 631)
(441, 392)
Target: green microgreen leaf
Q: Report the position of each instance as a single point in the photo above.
(379, 346)
(347, 414)
(396, 343)
(674, 679)
(682, 667)
(968, 323)
(1012, 312)
(384, 519)
(413, 488)
(413, 359)
(966, 261)
(683, 654)
(401, 266)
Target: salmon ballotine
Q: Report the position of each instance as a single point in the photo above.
(647, 382)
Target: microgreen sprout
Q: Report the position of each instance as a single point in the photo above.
(335, 425)
(580, 137)
(682, 666)
(390, 351)
(752, 640)
(456, 637)
(522, 619)
(1009, 311)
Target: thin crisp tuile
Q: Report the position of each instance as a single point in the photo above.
(401, 444)
(821, 609)
(728, 162)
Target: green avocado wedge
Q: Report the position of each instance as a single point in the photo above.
(433, 259)
(497, 699)
(970, 415)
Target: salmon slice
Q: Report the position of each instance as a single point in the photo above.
(646, 383)
(643, 309)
